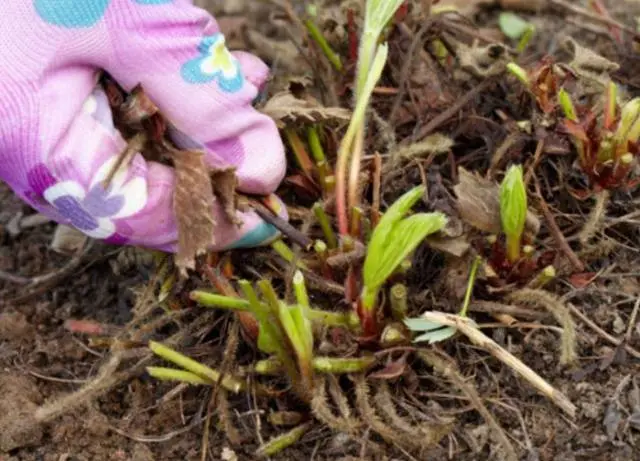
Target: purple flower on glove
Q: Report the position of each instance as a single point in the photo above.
(93, 209)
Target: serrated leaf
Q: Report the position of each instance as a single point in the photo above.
(193, 201)
(285, 108)
(512, 25)
(402, 240)
(389, 219)
(436, 335)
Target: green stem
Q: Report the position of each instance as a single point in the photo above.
(300, 290)
(545, 276)
(171, 374)
(325, 225)
(399, 306)
(472, 280)
(313, 138)
(287, 253)
(215, 300)
(334, 365)
(335, 319)
(194, 366)
(317, 36)
(513, 248)
(281, 442)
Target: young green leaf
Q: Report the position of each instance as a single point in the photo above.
(512, 25)
(567, 105)
(513, 209)
(402, 240)
(629, 115)
(391, 217)
(420, 324)
(435, 336)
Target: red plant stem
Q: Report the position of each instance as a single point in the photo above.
(377, 185)
(368, 320)
(341, 199)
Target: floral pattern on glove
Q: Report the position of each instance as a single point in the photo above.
(74, 14)
(215, 63)
(93, 210)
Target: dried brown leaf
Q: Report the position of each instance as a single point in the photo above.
(284, 108)
(479, 204)
(192, 205)
(590, 65)
(224, 183)
(482, 61)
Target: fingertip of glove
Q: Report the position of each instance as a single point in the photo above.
(253, 68)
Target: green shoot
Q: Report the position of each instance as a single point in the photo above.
(269, 339)
(393, 239)
(193, 367)
(519, 73)
(629, 117)
(516, 28)
(398, 295)
(513, 210)
(567, 106)
(545, 276)
(284, 441)
(526, 38)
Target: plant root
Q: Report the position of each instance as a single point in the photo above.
(551, 303)
(430, 434)
(445, 365)
(322, 411)
(105, 380)
(392, 435)
(591, 226)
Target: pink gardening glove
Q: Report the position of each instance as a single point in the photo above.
(57, 140)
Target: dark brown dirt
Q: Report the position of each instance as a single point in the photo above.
(142, 420)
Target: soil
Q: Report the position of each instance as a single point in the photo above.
(43, 357)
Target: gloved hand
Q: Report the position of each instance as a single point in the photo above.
(57, 138)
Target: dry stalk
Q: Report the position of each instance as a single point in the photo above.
(597, 215)
(445, 365)
(551, 303)
(481, 340)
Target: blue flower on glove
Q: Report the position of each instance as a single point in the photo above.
(215, 63)
(75, 14)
